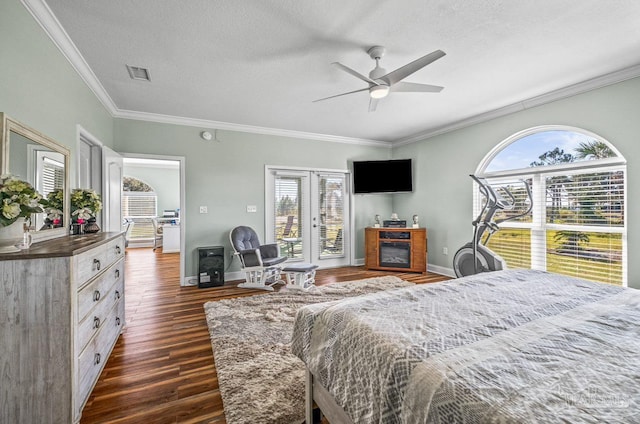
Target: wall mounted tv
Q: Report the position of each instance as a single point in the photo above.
(382, 176)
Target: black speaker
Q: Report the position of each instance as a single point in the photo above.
(210, 266)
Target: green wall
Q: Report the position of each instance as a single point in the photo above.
(228, 175)
(443, 163)
(39, 87)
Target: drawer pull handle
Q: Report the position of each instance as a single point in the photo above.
(117, 273)
(96, 262)
(117, 294)
(118, 250)
(96, 322)
(117, 321)
(96, 359)
(96, 295)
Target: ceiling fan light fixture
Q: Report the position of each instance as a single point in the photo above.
(379, 91)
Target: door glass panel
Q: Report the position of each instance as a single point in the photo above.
(331, 192)
(288, 215)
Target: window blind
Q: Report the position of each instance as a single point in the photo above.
(52, 176)
(577, 225)
(288, 210)
(331, 212)
(140, 207)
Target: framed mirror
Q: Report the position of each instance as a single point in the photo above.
(33, 157)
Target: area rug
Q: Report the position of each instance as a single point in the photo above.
(260, 380)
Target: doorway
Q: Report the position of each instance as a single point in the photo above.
(307, 214)
(153, 200)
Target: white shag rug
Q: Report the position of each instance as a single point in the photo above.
(260, 380)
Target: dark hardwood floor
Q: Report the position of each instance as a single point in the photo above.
(161, 369)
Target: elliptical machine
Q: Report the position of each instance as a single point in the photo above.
(475, 257)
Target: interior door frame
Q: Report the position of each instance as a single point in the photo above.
(94, 163)
(183, 206)
(269, 213)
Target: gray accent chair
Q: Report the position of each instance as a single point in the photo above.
(260, 262)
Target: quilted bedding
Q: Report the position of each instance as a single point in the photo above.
(506, 347)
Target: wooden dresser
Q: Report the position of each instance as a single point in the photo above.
(61, 312)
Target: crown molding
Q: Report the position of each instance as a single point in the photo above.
(208, 124)
(52, 27)
(562, 93)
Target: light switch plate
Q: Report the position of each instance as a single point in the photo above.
(252, 208)
(203, 209)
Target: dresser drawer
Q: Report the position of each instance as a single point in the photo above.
(95, 355)
(90, 263)
(91, 294)
(99, 316)
(115, 249)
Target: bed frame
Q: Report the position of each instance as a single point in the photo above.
(323, 399)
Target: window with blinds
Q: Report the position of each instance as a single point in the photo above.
(52, 176)
(331, 212)
(141, 207)
(288, 214)
(577, 225)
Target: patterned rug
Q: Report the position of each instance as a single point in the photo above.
(260, 380)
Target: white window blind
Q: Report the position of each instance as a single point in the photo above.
(331, 213)
(585, 224)
(513, 241)
(52, 176)
(577, 225)
(288, 226)
(140, 207)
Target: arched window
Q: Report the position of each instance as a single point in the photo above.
(577, 225)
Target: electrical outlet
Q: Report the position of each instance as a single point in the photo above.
(445, 250)
(203, 209)
(252, 208)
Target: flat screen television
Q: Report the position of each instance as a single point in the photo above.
(382, 176)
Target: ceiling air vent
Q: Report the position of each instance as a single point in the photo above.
(138, 73)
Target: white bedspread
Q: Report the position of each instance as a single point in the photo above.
(507, 347)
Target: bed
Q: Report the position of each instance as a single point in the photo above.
(508, 347)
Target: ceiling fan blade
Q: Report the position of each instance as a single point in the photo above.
(412, 87)
(408, 69)
(343, 94)
(373, 103)
(355, 73)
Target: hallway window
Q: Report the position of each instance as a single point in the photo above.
(139, 203)
(577, 225)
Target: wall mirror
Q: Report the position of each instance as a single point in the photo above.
(34, 157)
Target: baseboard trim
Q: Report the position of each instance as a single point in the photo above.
(437, 269)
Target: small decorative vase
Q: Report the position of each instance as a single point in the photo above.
(11, 235)
(77, 227)
(91, 226)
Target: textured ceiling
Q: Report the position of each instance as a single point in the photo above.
(262, 62)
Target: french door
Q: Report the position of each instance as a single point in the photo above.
(307, 214)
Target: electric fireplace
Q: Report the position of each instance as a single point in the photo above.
(395, 254)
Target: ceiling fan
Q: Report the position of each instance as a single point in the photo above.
(381, 83)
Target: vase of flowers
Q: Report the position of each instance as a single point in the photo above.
(53, 207)
(85, 205)
(18, 200)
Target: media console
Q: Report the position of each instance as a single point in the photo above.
(396, 249)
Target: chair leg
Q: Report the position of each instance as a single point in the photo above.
(261, 279)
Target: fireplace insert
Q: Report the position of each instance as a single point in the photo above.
(395, 254)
